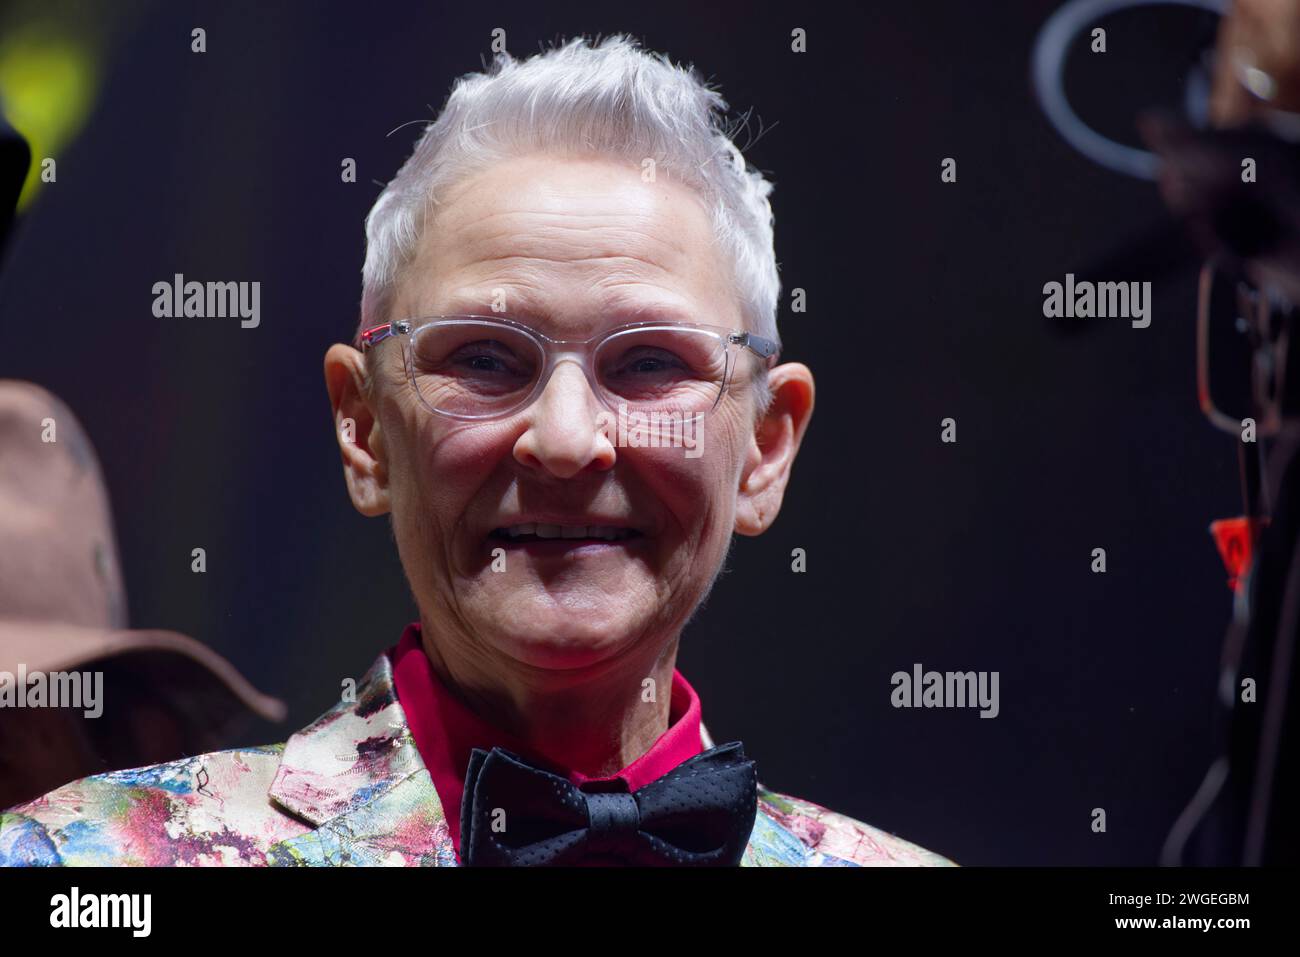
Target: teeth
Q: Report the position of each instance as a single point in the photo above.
(542, 530)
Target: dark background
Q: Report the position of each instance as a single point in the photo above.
(924, 301)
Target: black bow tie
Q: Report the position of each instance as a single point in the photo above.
(700, 814)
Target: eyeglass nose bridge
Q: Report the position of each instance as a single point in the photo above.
(552, 358)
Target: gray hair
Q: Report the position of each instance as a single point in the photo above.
(614, 99)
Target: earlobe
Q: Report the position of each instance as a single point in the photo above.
(356, 428)
(773, 447)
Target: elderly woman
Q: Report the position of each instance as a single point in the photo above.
(563, 392)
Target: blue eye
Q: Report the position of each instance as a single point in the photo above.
(650, 364)
(647, 362)
(483, 363)
(488, 357)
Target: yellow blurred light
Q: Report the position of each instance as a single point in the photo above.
(46, 91)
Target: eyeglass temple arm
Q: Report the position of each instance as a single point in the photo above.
(377, 334)
(763, 348)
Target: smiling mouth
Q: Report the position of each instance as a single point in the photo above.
(576, 534)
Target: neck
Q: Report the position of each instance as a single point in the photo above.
(594, 720)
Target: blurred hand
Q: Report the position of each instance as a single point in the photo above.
(1259, 47)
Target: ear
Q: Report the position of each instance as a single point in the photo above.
(357, 429)
(776, 440)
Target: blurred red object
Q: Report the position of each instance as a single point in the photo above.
(1234, 538)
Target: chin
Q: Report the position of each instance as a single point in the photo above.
(562, 641)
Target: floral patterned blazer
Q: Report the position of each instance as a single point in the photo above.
(349, 789)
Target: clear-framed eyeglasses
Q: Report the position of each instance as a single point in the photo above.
(480, 368)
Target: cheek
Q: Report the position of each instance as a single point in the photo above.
(699, 492)
(436, 472)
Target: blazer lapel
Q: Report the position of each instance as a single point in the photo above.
(356, 776)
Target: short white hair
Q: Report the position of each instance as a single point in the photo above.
(611, 98)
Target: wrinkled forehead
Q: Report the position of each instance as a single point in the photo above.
(571, 245)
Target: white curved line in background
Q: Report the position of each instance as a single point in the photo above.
(1050, 50)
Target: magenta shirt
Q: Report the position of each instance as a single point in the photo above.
(445, 731)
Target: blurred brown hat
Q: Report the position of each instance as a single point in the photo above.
(63, 608)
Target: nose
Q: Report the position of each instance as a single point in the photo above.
(562, 436)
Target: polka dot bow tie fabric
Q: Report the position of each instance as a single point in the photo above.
(700, 814)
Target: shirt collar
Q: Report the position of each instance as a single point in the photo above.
(445, 731)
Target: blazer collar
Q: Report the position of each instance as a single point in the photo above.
(349, 755)
(356, 776)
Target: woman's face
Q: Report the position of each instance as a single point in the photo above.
(569, 246)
